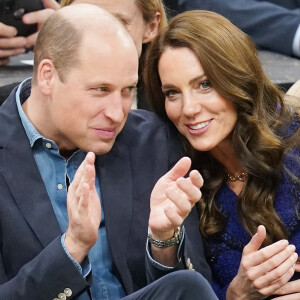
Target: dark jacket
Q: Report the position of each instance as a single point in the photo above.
(33, 264)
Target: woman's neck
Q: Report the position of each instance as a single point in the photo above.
(226, 156)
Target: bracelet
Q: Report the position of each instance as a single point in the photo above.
(174, 240)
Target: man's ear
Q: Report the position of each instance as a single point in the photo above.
(152, 29)
(45, 75)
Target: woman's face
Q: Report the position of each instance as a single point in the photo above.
(132, 17)
(203, 116)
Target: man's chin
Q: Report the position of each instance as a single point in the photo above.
(101, 148)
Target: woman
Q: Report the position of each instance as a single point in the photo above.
(142, 18)
(203, 74)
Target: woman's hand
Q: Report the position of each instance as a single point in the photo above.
(263, 271)
(172, 199)
(291, 290)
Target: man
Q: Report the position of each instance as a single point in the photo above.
(85, 73)
(273, 24)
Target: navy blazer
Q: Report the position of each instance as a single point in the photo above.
(33, 264)
(270, 25)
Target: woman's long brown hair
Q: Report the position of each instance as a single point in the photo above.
(231, 64)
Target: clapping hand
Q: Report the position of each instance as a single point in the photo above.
(84, 210)
(263, 271)
(291, 290)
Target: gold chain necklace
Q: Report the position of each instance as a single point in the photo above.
(241, 177)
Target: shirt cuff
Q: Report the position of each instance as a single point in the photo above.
(296, 43)
(159, 265)
(85, 267)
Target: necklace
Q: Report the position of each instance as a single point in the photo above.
(241, 177)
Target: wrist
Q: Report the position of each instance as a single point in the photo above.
(77, 250)
(232, 292)
(165, 240)
(161, 235)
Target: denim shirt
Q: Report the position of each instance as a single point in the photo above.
(54, 170)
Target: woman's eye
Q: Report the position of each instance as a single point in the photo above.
(170, 93)
(205, 85)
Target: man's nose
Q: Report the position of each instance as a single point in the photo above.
(114, 109)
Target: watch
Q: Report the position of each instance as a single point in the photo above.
(174, 240)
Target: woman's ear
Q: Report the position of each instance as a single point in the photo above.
(45, 75)
(152, 29)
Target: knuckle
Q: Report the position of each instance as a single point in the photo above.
(263, 293)
(264, 255)
(244, 264)
(186, 209)
(277, 273)
(273, 265)
(280, 281)
(251, 277)
(256, 284)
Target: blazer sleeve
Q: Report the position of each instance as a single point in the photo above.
(43, 278)
(192, 257)
(271, 26)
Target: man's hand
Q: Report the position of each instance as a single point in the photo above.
(39, 17)
(173, 198)
(262, 271)
(10, 45)
(84, 210)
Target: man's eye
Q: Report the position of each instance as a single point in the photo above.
(101, 89)
(129, 91)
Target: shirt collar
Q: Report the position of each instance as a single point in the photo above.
(22, 95)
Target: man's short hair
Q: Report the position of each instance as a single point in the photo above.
(58, 40)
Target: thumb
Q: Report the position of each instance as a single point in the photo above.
(256, 240)
(180, 169)
(51, 4)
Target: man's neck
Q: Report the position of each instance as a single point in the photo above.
(67, 153)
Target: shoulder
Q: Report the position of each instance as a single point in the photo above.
(144, 118)
(147, 137)
(143, 126)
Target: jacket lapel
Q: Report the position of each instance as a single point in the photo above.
(21, 174)
(114, 169)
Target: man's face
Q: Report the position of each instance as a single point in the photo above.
(89, 109)
(129, 14)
